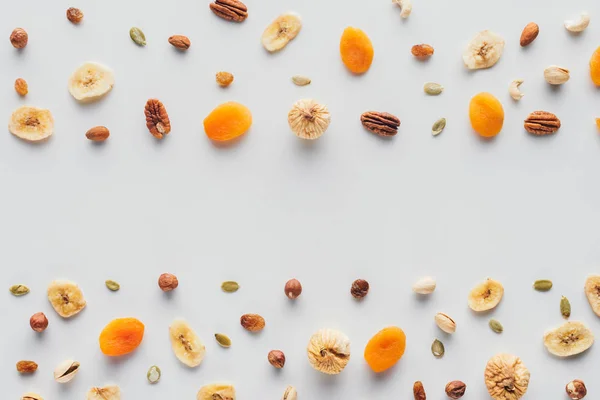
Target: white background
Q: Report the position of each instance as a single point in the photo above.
(272, 207)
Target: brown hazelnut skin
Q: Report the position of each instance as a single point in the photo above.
(38, 322)
(167, 282)
(456, 389)
(576, 389)
(277, 358)
(293, 288)
(19, 38)
(359, 288)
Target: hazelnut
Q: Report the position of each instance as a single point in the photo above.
(38, 322)
(19, 38)
(576, 389)
(359, 288)
(277, 358)
(456, 389)
(167, 282)
(293, 288)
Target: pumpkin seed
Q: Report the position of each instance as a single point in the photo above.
(438, 126)
(230, 286)
(565, 307)
(153, 374)
(137, 36)
(496, 326)
(19, 290)
(112, 285)
(437, 348)
(433, 89)
(223, 340)
(301, 80)
(542, 285)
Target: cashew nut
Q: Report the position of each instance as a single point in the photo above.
(578, 25)
(405, 5)
(514, 91)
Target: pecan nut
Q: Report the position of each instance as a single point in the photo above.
(231, 10)
(542, 123)
(380, 123)
(180, 42)
(157, 119)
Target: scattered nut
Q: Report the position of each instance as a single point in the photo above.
(530, 33)
(66, 371)
(290, 394)
(252, 322)
(157, 119)
(579, 25)
(514, 91)
(456, 389)
(293, 288)
(224, 79)
(301, 80)
(556, 75)
(98, 133)
(576, 389)
(75, 15)
(180, 42)
(359, 288)
(405, 6)
(168, 282)
(38, 322)
(425, 285)
(445, 323)
(422, 50)
(231, 10)
(277, 358)
(27, 367)
(380, 123)
(419, 391)
(19, 38)
(541, 123)
(21, 87)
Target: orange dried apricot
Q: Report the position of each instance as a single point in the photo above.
(595, 67)
(356, 50)
(385, 348)
(228, 121)
(598, 122)
(486, 114)
(121, 336)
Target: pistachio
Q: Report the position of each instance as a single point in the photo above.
(290, 394)
(300, 80)
(445, 323)
(556, 75)
(66, 371)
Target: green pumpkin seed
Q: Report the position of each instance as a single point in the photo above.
(153, 374)
(433, 89)
(19, 290)
(301, 80)
(230, 286)
(496, 326)
(137, 36)
(112, 285)
(223, 340)
(438, 126)
(565, 307)
(542, 285)
(437, 348)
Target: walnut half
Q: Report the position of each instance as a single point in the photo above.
(157, 119)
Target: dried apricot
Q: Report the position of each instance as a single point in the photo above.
(598, 122)
(121, 336)
(356, 50)
(227, 121)
(486, 114)
(385, 348)
(595, 67)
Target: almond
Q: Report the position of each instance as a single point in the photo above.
(98, 133)
(180, 42)
(529, 34)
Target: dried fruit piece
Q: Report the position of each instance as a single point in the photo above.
(300, 80)
(186, 344)
(19, 38)
(153, 374)
(66, 298)
(598, 123)
(514, 91)
(569, 339)
(31, 123)
(529, 34)
(121, 336)
(223, 340)
(329, 351)
(227, 122)
(483, 51)
(231, 10)
(21, 87)
(576, 389)
(592, 292)
(31, 396)
(293, 289)
(290, 393)
(98, 134)
(422, 50)
(438, 126)
(595, 68)
(217, 391)
(91, 81)
(437, 348)
(419, 391)
(445, 323)
(112, 285)
(75, 15)
(359, 288)
(506, 377)
(230, 286)
(405, 6)
(157, 119)
(486, 295)
(281, 31)
(565, 307)
(137, 36)
(385, 349)
(541, 123)
(542, 285)
(276, 358)
(224, 79)
(433, 89)
(66, 371)
(455, 389)
(380, 123)
(356, 50)
(578, 25)
(252, 322)
(486, 114)
(38, 322)
(496, 326)
(180, 42)
(309, 119)
(425, 285)
(18, 290)
(167, 282)
(556, 75)
(26, 367)
(111, 392)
